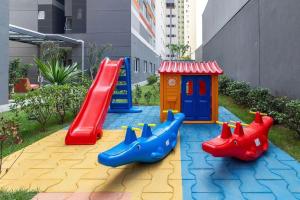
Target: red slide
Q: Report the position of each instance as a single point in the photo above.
(87, 126)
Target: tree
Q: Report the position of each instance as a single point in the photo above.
(95, 55)
(179, 50)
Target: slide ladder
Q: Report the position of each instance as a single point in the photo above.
(121, 101)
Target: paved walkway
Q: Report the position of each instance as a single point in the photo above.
(72, 172)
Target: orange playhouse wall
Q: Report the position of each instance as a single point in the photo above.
(170, 97)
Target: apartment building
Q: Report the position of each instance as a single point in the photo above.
(171, 21)
(256, 41)
(130, 26)
(184, 24)
(161, 28)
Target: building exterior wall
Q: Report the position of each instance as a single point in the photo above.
(24, 14)
(101, 22)
(4, 52)
(173, 25)
(259, 44)
(216, 14)
(161, 29)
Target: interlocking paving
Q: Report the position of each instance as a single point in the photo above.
(72, 172)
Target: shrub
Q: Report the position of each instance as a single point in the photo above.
(38, 104)
(224, 83)
(152, 79)
(76, 98)
(293, 115)
(138, 93)
(259, 99)
(61, 98)
(278, 108)
(9, 130)
(239, 92)
(148, 96)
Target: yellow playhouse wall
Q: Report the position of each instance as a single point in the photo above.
(170, 89)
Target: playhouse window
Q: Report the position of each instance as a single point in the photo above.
(189, 88)
(202, 88)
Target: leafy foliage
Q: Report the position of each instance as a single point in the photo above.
(56, 73)
(138, 93)
(148, 96)
(95, 55)
(17, 70)
(152, 79)
(283, 110)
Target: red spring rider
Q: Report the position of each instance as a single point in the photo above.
(246, 144)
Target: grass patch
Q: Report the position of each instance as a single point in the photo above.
(17, 195)
(286, 139)
(31, 131)
(154, 100)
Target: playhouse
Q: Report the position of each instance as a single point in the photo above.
(191, 88)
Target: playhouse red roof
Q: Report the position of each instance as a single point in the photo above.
(194, 68)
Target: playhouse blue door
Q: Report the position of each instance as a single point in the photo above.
(196, 98)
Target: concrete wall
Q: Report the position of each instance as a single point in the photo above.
(217, 13)
(199, 54)
(261, 45)
(25, 14)
(236, 46)
(4, 52)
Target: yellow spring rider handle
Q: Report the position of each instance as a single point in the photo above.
(263, 114)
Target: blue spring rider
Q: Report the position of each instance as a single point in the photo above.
(151, 147)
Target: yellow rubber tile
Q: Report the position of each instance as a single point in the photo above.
(50, 166)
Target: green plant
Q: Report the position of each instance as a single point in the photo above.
(76, 98)
(52, 52)
(38, 104)
(293, 115)
(17, 70)
(259, 99)
(62, 99)
(238, 91)
(152, 79)
(56, 73)
(95, 55)
(224, 83)
(9, 129)
(148, 96)
(138, 93)
(179, 50)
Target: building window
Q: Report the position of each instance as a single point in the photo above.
(137, 65)
(151, 67)
(41, 15)
(145, 66)
(171, 16)
(172, 35)
(172, 25)
(68, 24)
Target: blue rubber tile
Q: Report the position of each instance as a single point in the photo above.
(204, 182)
(185, 171)
(262, 172)
(272, 162)
(221, 171)
(297, 195)
(194, 147)
(280, 154)
(259, 196)
(230, 189)
(279, 189)
(290, 176)
(249, 183)
(208, 196)
(199, 161)
(187, 189)
(295, 165)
